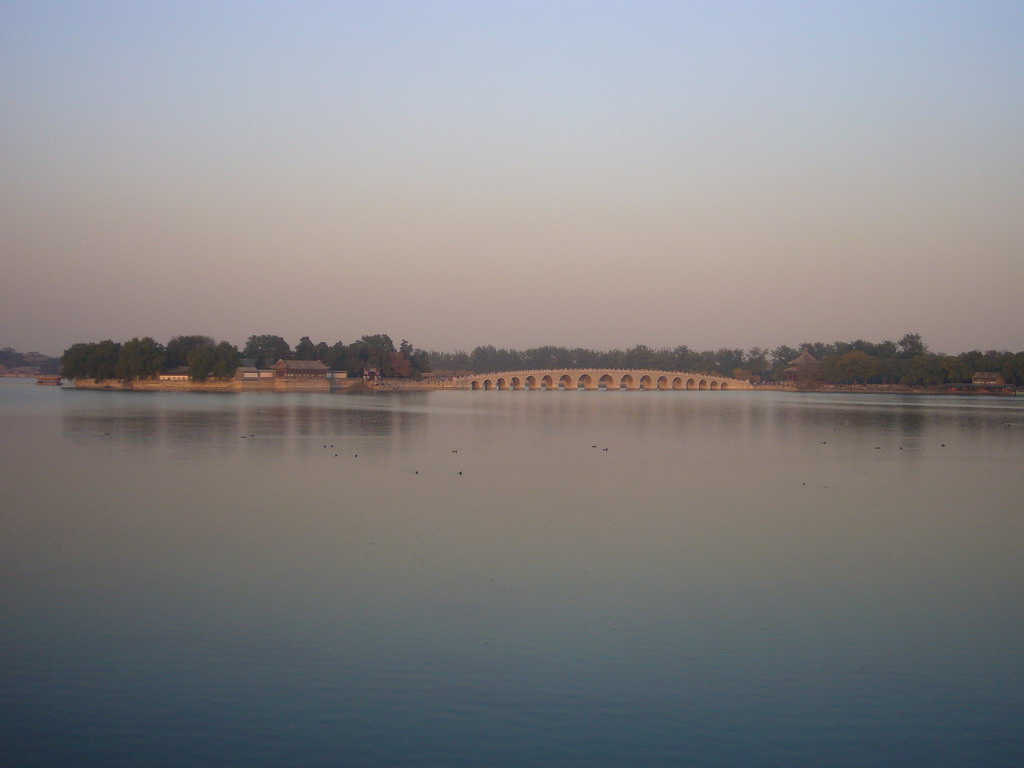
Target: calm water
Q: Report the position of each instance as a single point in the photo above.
(740, 579)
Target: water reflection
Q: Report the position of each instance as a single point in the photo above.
(740, 578)
(272, 425)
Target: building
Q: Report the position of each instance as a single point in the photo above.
(804, 367)
(988, 379)
(175, 374)
(252, 373)
(300, 369)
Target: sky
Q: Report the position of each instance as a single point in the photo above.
(592, 174)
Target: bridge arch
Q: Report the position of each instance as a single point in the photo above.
(598, 378)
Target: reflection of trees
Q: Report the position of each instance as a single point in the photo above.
(137, 427)
(271, 427)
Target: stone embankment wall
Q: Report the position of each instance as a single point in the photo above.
(215, 385)
(301, 385)
(219, 385)
(431, 383)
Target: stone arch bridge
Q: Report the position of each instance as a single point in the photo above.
(608, 379)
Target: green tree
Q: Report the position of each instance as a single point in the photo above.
(483, 359)
(139, 359)
(924, 369)
(305, 349)
(641, 356)
(217, 361)
(75, 361)
(200, 362)
(225, 360)
(337, 356)
(853, 367)
(890, 370)
(911, 345)
(448, 362)
(411, 362)
(756, 361)
(780, 359)
(180, 347)
(267, 349)
(102, 362)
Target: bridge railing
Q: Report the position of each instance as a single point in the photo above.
(648, 371)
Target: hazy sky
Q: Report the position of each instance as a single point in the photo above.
(461, 173)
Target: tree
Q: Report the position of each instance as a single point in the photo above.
(924, 369)
(102, 362)
(399, 366)
(640, 356)
(336, 357)
(200, 362)
(449, 362)
(180, 347)
(727, 360)
(139, 359)
(217, 361)
(756, 361)
(75, 361)
(225, 360)
(781, 357)
(853, 367)
(911, 345)
(482, 359)
(420, 363)
(819, 349)
(267, 349)
(890, 369)
(305, 349)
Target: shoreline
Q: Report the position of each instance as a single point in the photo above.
(896, 389)
(352, 386)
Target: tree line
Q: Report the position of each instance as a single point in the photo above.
(205, 358)
(377, 352)
(906, 362)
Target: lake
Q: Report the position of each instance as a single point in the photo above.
(510, 579)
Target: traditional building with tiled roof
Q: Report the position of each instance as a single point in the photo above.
(300, 369)
(804, 365)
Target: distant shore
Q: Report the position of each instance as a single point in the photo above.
(395, 385)
(892, 389)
